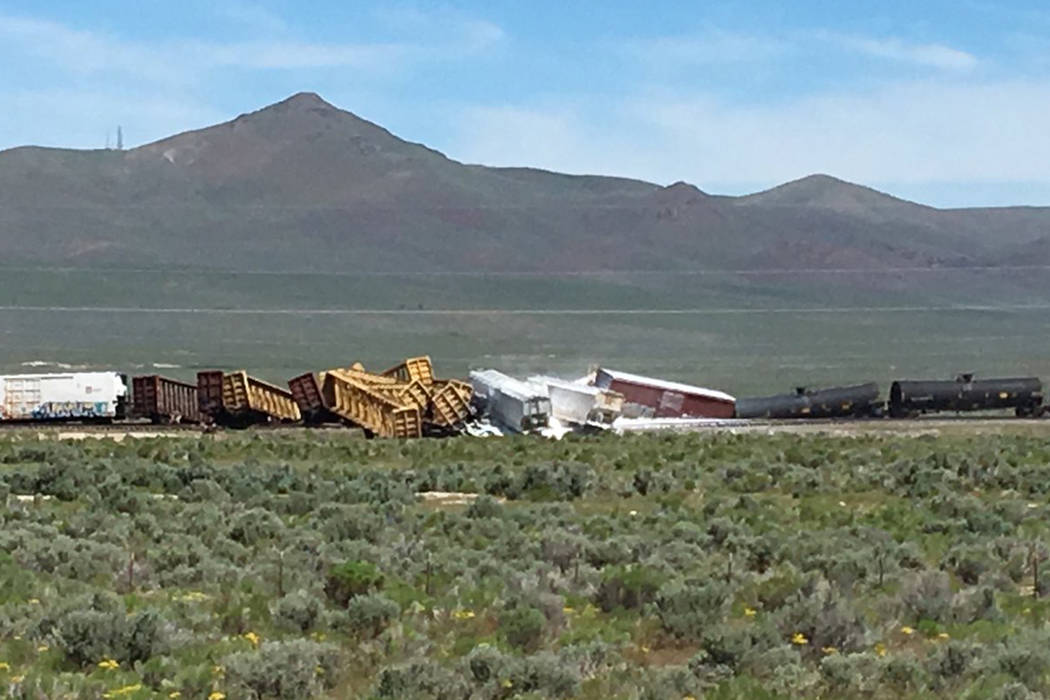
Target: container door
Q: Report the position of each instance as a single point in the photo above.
(22, 396)
(671, 403)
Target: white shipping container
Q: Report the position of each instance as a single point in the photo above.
(60, 396)
(512, 403)
(579, 403)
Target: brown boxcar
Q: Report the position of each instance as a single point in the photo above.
(306, 390)
(209, 394)
(663, 399)
(164, 400)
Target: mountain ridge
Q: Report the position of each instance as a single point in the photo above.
(304, 185)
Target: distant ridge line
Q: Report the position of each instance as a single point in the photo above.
(714, 311)
(202, 272)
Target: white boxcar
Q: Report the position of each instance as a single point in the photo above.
(512, 403)
(75, 395)
(581, 404)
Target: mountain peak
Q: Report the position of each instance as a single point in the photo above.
(826, 192)
(301, 103)
(306, 99)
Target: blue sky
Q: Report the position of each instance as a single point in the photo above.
(941, 102)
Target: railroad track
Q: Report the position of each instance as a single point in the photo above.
(804, 425)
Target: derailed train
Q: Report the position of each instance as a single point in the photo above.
(907, 399)
(407, 400)
(412, 402)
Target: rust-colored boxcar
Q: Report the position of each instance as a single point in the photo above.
(306, 390)
(209, 394)
(663, 399)
(165, 400)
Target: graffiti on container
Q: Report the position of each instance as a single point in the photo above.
(69, 409)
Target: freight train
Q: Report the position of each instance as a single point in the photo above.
(907, 399)
(407, 401)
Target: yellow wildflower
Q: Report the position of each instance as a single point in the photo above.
(828, 651)
(4, 666)
(34, 601)
(750, 612)
(109, 664)
(568, 610)
(799, 639)
(943, 635)
(907, 630)
(252, 637)
(217, 695)
(645, 650)
(17, 679)
(463, 614)
(880, 649)
(688, 697)
(319, 670)
(174, 695)
(508, 683)
(42, 648)
(126, 690)
(218, 670)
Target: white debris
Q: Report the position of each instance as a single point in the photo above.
(555, 429)
(636, 425)
(452, 498)
(482, 428)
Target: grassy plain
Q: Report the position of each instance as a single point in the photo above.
(660, 566)
(745, 333)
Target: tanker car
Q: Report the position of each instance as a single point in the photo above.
(1024, 395)
(860, 401)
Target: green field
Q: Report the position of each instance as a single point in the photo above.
(706, 565)
(743, 333)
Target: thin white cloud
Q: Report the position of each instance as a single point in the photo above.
(914, 132)
(459, 33)
(83, 52)
(291, 55)
(928, 55)
(183, 61)
(714, 47)
(87, 118)
(709, 48)
(251, 15)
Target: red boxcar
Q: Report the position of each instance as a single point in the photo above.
(164, 400)
(663, 399)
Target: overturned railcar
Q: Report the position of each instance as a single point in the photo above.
(513, 404)
(859, 401)
(1022, 394)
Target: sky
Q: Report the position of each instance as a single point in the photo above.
(945, 103)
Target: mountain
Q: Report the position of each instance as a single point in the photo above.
(302, 185)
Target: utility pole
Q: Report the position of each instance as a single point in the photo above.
(120, 139)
